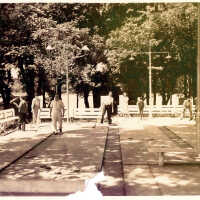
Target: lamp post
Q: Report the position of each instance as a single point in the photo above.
(149, 53)
(67, 88)
(150, 82)
(50, 48)
(85, 49)
(67, 82)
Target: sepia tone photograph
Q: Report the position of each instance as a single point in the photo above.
(99, 100)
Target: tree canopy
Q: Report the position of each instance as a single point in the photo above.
(104, 46)
(171, 28)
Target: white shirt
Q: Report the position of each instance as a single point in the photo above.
(35, 103)
(108, 100)
(57, 107)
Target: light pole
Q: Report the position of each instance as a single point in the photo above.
(150, 82)
(84, 48)
(67, 82)
(50, 48)
(149, 53)
(67, 87)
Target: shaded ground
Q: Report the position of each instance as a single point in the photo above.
(74, 155)
(64, 162)
(179, 176)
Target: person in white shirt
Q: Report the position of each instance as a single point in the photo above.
(107, 106)
(57, 113)
(124, 105)
(187, 105)
(35, 107)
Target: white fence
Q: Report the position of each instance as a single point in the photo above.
(161, 110)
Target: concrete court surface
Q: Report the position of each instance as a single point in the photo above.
(61, 164)
(142, 175)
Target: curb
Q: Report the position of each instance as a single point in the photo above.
(99, 169)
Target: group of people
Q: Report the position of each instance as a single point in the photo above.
(22, 107)
(124, 105)
(187, 105)
(107, 106)
(56, 112)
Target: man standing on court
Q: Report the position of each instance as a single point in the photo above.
(124, 105)
(140, 104)
(107, 106)
(57, 113)
(35, 107)
(22, 110)
(187, 105)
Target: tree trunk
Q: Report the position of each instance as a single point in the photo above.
(43, 98)
(185, 85)
(154, 98)
(147, 98)
(86, 94)
(6, 98)
(5, 90)
(190, 86)
(165, 98)
(96, 98)
(170, 99)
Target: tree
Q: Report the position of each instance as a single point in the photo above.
(177, 35)
(33, 26)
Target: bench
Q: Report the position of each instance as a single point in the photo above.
(87, 113)
(44, 114)
(77, 113)
(7, 118)
(162, 148)
(157, 111)
(133, 110)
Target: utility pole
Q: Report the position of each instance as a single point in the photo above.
(67, 83)
(150, 82)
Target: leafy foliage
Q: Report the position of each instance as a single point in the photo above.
(176, 35)
(113, 34)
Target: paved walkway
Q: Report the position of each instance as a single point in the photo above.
(80, 153)
(76, 155)
(19, 142)
(142, 176)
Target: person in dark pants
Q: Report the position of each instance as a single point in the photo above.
(107, 106)
(187, 105)
(22, 109)
(140, 104)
